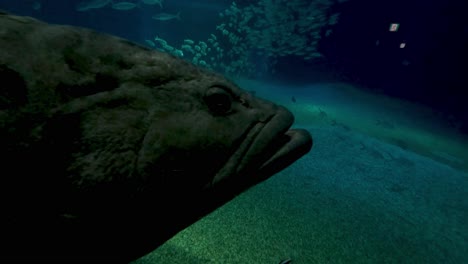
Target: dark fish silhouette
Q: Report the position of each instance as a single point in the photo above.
(109, 148)
(293, 99)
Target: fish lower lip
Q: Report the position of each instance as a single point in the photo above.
(274, 148)
(298, 142)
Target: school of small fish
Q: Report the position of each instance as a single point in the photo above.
(250, 39)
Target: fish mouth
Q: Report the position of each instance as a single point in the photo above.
(268, 148)
(274, 146)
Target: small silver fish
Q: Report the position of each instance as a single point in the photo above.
(150, 43)
(153, 2)
(124, 5)
(94, 4)
(36, 5)
(166, 16)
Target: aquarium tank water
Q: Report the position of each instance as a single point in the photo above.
(380, 85)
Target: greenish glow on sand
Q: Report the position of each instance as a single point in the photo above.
(409, 126)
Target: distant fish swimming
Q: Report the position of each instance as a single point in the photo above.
(166, 16)
(124, 5)
(93, 4)
(36, 5)
(153, 2)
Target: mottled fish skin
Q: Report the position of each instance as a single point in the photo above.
(110, 148)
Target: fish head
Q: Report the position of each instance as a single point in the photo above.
(169, 129)
(215, 130)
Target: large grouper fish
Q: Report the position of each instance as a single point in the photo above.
(110, 148)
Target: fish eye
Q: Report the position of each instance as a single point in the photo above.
(218, 100)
